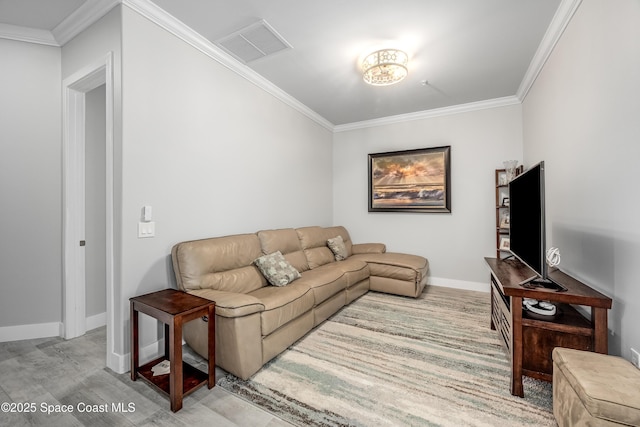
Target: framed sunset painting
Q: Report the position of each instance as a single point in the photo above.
(411, 180)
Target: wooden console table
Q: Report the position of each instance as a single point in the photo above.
(173, 308)
(529, 338)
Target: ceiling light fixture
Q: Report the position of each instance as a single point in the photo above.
(385, 67)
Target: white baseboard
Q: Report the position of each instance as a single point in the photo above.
(118, 363)
(460, 284)
(121, 363)
(28, 332)
(96, 321)
(46, 330)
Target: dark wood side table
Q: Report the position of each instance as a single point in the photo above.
(531, 339)
(173, 308)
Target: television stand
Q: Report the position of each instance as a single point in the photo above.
(538, 282)
(530, 340)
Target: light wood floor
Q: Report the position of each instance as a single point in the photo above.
(36, 375)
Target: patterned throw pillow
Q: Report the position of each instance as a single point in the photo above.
(276, 269)
(338, 248)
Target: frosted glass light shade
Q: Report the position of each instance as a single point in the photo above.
(385, 67)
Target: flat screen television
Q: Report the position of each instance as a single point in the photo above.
(527, 233)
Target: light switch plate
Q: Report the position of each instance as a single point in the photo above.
(146, 229)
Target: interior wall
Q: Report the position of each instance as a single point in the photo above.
(211, 153)
(95, 202)
(454, 243)
(582, 118)
(30, 184)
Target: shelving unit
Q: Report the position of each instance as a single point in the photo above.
(502, 211)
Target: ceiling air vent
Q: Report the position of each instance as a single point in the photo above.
(254, 42)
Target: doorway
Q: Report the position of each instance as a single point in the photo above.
(79, 89)
(95, 208)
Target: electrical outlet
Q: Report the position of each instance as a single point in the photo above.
(635, 358)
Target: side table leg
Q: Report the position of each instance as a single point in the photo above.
(212, 346)
(516, 347)
(167, 342)
(134, 341)
(175, 375)
(600, 328)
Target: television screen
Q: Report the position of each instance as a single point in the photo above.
(526, 217)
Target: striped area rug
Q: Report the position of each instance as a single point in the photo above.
(394, 361)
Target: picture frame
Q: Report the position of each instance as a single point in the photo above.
(504, 220)
(505, 243)
(505, 201)
(410, 180)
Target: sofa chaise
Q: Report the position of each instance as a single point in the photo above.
(255, 321)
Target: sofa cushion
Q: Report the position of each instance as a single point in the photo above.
(311, 237)
(342, 232)
(276, 269)
(317, 257)
(369, 248)
(338, 248)
(314, 243)
(221, 263)
(283, 304)
(411, 268)
(355, 271)
(325, 281)
(231, 304)
(286, 241)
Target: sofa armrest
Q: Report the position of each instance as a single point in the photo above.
(231, 304)
(368, 248)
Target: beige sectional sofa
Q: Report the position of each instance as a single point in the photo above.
(256, 321)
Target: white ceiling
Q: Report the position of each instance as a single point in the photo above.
(41, 14)
(467, 50)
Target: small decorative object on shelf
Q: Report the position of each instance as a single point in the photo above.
(511, 169)
(504, 243)
(504, 220)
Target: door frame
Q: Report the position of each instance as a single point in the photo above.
(75, 88)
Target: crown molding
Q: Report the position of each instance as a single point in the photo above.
(81, 19)
(71, 26)
(428, 114)
(561, 19)
(93, 10)
(26, 34)
(160, 17)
